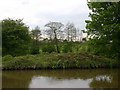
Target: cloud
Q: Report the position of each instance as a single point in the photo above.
(39, 12)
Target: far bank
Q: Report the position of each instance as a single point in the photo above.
(57, 61)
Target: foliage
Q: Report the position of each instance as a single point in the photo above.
(64, 47)
(7, 58)
(104, 28)
(15, 37)
(19, 63)
(48, 48)
(67, 47)
(36, 35)
(70, 31)
(34, 50)
(55, 28)
(59, 61)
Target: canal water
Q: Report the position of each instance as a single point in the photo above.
(74, 78)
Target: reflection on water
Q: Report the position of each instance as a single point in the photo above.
(48, 82)
(104, 78)
(74, 78)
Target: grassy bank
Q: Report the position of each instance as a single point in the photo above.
(57, 61)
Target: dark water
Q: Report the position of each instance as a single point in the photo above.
(96, 78)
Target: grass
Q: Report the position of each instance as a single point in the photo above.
(57, 61)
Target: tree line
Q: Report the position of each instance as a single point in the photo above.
(19, 40)
(102, 30)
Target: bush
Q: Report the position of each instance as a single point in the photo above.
(67, 48)
(58, 61)
(48, 48)
(21, 62)
(35, 50)
(7, 58)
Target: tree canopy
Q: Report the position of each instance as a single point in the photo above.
(15, 37)
(55, 28)
(104, 27)
(70, 31)
(36, 36)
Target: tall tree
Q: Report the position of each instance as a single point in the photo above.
(104, 27)
(55, 27)
(70, 31)
(15, 37)
(49, 34)
(36, 35)
(80, 35)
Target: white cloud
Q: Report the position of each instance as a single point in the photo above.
(39, 12)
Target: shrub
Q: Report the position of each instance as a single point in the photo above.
(67, 48)
(58, 61)
(35, 50)
(48, 48)
(7, 58)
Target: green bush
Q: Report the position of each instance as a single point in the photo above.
(67, 48)
(7, 58)
(35, 50)
(21, 62)
(48, 48)
(58, 61)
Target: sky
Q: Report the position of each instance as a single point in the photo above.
(40, 12)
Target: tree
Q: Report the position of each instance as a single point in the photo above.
(36, 35)
(50, 34)
(104, 27)
(15, 37)
(70, 31)
(80, 35)
(55, 27)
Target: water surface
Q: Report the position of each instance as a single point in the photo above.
(75, 78)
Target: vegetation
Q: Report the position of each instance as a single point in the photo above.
(35, 35)
(55, 27)
(104, 28)
(57, 61)
(70, 31)
(64, 46)
(15, 37)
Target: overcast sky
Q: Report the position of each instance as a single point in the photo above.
(40, 12)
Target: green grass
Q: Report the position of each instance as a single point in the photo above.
(57, 61)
